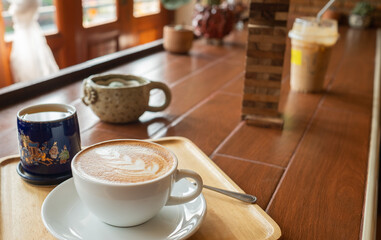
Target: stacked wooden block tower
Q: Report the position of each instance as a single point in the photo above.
(264, 62)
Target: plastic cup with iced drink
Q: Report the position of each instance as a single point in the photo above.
(311, 44)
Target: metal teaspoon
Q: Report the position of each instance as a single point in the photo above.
(240, 196)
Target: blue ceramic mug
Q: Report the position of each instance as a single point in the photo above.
(48, 137)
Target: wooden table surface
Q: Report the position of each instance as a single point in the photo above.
(309, 177)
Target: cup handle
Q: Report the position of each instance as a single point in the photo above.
(90, 95)
(167, 92)
(184, 173)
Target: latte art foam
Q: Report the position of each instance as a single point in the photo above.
(120, 162)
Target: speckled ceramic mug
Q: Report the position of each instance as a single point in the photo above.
(118, 98)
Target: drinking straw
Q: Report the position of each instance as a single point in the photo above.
(322, 11)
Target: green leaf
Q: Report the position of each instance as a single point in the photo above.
(173, 4)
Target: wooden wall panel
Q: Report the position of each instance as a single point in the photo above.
(5, 74)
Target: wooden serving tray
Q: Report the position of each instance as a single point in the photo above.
(226, 218)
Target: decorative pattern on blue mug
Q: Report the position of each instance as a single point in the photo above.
(35, 154)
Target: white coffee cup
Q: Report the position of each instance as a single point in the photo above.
(125, 204)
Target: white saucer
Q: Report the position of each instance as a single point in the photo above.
(66, 217)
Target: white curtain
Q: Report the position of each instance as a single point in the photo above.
(31, 57)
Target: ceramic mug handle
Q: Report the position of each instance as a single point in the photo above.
(90, 95)
(167, 92)
(184, 173)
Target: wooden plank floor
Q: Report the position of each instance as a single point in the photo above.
(310, 177)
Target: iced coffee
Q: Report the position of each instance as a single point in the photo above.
(311, 44)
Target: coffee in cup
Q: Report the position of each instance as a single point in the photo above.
(127, 182)
(117, 162)
(311, 46)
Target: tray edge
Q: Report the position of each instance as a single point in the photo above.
(277, 231)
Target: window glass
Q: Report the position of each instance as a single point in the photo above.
(97, 12)
(46, 19)
(146, 7)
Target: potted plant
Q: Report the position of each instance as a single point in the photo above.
(360, 16)
(178, 38)
(213, 20)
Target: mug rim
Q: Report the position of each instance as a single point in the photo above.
(69, 108)
(106, 77)
(125, 184)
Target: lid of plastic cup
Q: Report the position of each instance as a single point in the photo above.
(310, 30)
